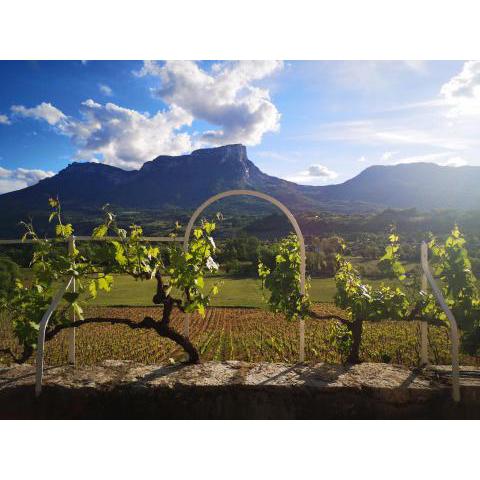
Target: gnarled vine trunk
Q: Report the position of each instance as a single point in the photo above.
(162, 327)
(356, 327)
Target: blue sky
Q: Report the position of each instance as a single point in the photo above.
(310, 122)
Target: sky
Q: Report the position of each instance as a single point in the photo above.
(312, 122)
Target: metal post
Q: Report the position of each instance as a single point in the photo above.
(41, 336)
(455, 363)
(424, 324)
(71, 338)
(301, 331)
(301, 327)
(453, 328)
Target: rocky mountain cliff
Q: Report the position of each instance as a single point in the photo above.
(185, 181)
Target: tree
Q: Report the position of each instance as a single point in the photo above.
(179, 279)
(321, 260)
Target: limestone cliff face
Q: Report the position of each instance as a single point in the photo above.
(181, 181)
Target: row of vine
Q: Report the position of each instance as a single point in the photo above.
(180, 284)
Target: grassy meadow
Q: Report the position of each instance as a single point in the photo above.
(234, 292)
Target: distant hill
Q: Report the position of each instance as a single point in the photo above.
(424, 186)
(183, 182)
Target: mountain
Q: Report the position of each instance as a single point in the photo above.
(183, 182)
(424, 186)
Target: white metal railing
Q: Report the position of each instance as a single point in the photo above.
(91, 239)
(428, 277)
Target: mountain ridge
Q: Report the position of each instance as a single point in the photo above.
(184, 181)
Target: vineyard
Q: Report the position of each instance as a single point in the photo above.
(224, 333)
(373, 322)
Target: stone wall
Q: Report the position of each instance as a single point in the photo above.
(237, 390)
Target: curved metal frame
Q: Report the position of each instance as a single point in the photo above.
(41, 335)
(293, 221)
(427, 276)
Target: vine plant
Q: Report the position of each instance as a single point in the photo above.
(460, 288)
(283, 281)
(364, 302)
(179, 278)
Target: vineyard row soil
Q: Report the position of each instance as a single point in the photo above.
(248, 334)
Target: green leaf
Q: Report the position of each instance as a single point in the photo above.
(92, 288)
(78, 310)
(100, 231)
(105, 283)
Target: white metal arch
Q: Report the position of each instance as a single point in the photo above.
(428, 277)
(293, 221)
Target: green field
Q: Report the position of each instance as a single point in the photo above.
(234, 292)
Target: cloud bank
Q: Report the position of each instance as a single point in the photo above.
(44, 111)
(462, 92)
(20, 178)
(316, 174)
(224, 96)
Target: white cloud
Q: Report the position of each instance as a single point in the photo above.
(429, 131)
(320, 171)
(224, 96)
(44, 111)
(20, 178)
(105, 89)
(387, 156)
(454, 162)
(462, 92)
(4, 120)
(116, 135)
(313, 175)
(362, 159)
(126, 138)
(373, 75)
